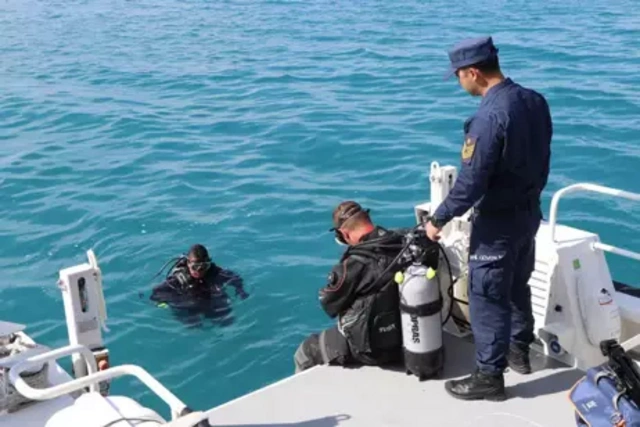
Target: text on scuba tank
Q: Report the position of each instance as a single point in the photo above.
(415, 329)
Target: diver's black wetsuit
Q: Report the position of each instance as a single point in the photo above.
(190, 297)
(365, 299)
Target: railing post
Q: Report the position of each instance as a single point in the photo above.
(555, 201)
(92, 380)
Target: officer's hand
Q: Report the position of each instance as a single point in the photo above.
(433, 232)
(242, 294)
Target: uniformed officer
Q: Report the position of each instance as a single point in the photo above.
(361, 293)
(505, 165)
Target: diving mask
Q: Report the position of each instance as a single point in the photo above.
(199, 266)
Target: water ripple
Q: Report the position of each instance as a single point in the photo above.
(139, 128)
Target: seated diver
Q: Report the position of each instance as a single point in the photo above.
(362, 294)
(195, 286)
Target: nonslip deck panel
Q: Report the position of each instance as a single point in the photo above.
(370, 396)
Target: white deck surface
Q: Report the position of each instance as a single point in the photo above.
(8, 328)
(371, 396)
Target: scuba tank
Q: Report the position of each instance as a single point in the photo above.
(420, 310)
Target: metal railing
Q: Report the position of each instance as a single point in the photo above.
(91, 380)
(553, 213)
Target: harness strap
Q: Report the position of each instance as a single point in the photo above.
(423, 310)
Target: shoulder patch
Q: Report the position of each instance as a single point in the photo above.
(468, 148)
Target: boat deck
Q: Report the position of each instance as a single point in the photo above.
(36, 414)
(371, 396)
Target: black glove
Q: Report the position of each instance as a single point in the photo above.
(241, 293)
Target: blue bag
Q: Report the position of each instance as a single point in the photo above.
(599, 403)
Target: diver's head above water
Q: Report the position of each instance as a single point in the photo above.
(198, 261)
(351, 223)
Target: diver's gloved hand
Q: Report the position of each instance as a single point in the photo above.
(242, 294)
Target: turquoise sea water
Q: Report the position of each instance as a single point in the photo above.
(137, 128)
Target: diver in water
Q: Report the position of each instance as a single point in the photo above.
(195, 286)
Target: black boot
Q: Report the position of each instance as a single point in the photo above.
(518, 359)
(477, 386)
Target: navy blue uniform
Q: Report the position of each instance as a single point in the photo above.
(505, 166)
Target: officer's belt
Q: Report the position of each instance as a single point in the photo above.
(523, 206)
